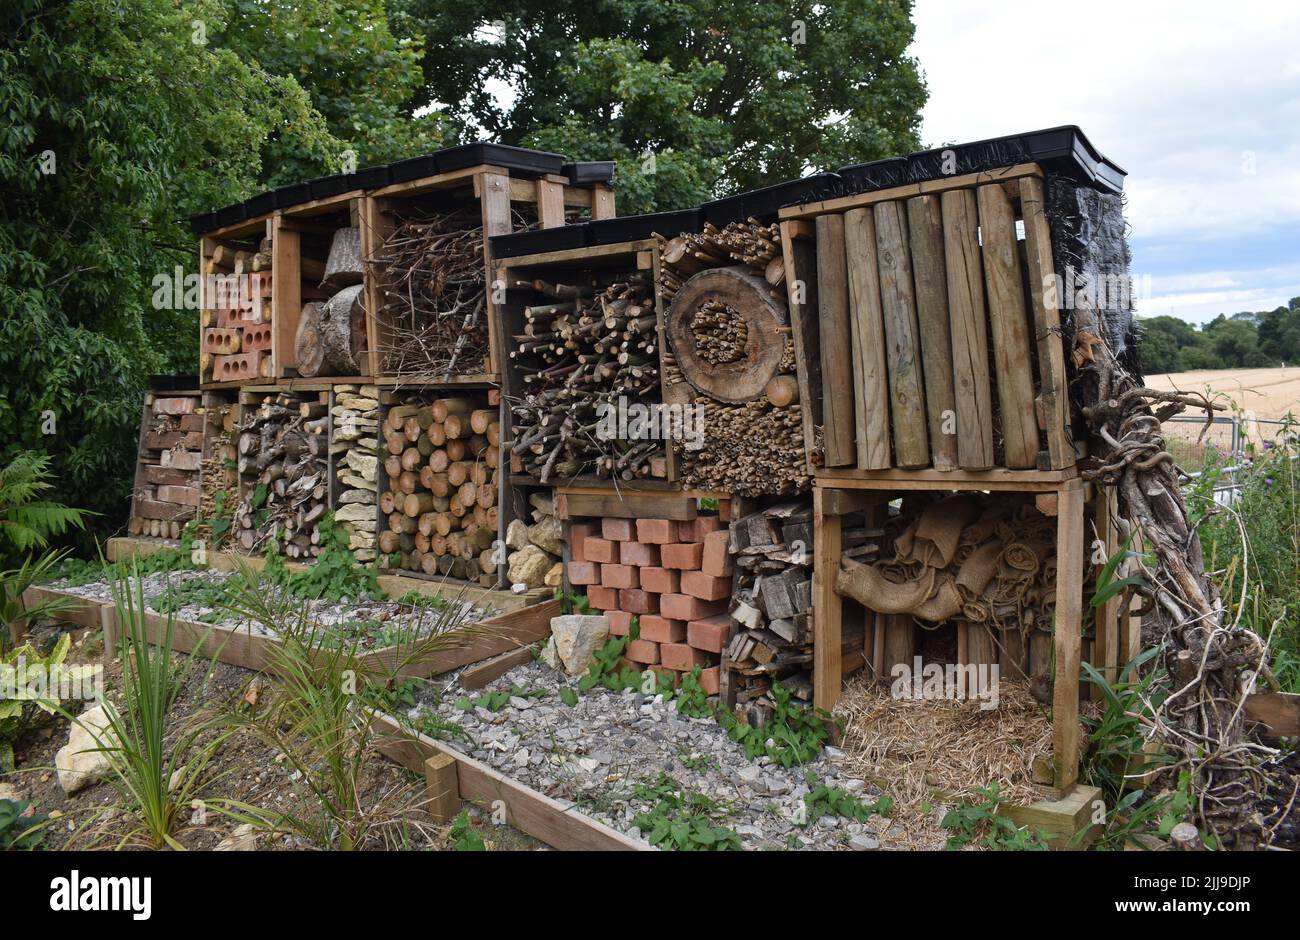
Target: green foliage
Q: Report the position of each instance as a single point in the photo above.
(1116, 741)
(464, 837)
(981, 820)
(725, 95)
(22, 829)
(692, 700)
(832, 801)
(27, 521)
(609, 670)
(573, 603)
(1240, 341)
(18, 709)
(794, 735)
(495, 701)
(568, 696)
(682, 821)
(335, 575)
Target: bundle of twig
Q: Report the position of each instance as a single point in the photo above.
(434, 300)
(588, 347)
(1209, 664)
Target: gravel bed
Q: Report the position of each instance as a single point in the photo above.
(596, 752)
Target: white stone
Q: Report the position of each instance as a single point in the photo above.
(577, 637)
(547, 535)
(78, 762)
(516, 534)
(243, 839)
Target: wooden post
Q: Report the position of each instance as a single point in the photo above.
(550, 202)
(494, 189)
(837, 378)
(870, 372)
(798, 253)
(1043, 295)
(900, 641)
(286, 295)
(112, 631)
(376, 226)
(602, 202)
(1011, 349)
(1106, 651)
(827, 628)
(925, 226)
(442, 787)
(970, 345)
(898, 301)
(1069, 620)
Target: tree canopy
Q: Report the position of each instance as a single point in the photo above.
(1241, 341)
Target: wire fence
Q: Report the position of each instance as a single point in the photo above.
(1193, 444)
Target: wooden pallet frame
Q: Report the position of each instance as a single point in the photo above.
(495, 189)
(815, 332)
(1061, 494)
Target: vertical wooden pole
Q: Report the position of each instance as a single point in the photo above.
(286, 296)
(1106, 651)
(442, 787)
(375, 228)
(903, 351)
(925, 228)
(112, 631)
(550, 202)
(870, 372)
(798, 253)
(1010, 321)
(494, 189)
(1069, 621)
(837, 371)
(970, 344)
(827, 632)
(602, 202)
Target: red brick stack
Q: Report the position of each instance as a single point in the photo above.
(675, 576)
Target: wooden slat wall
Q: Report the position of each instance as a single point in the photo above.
(910, 290)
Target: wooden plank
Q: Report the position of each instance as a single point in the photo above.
(903, 348)
(550, 203)
(559, 825)
(480, 674)
(376, 227)
(1106, 650)
(1054, 392)
(925, 228)
(83, 611)
(286, 296)
(1007, 312)
(843, 203)
(1038, 481)
(602, 202)
(494, 188)
(1069, 621)
(835, 339)
(453, 179)
(627, 505)
(1279, 712)
(570, 255)
(827, 610)
(799, 255)
(870, 371)
(1060, 820)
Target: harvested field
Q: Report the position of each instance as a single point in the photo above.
(1259, 396)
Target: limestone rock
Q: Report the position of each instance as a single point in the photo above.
(354, 512)
(577, 637)
(78, 762)
(547, 535)
(543, 503)
(364, 464)
(549, 655)
(357, 496)
(243, 839)
(529, 566)
(516, 534)
(555, 577)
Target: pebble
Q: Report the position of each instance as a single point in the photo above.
(861, 842)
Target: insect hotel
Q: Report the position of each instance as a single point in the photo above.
(826, 428)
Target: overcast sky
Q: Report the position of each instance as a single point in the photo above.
(1199, 102)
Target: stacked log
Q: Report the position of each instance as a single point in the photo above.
(171, 453)
(331, 334)
(433, 298)
(587, 347)
(534, 551)
(731, 354)
(218, 475)
(771, 608)
(236, 317)
(283, 445)
(438, 492)
(354, 453)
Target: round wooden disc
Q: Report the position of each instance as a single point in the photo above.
(765, 318)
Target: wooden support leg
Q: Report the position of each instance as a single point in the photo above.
(1106, 651)
(827, 632)
(443, 787)
(112, 633)
(1069, 617)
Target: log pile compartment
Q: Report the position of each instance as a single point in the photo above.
(438, 484)
(939, 332)
(283, 444)
(166, 492)
(583, 367)
(425, 255)
(730, 357)
(771, 612)
(354, 465)
(219, 474)
(964, 579)
(320, 299)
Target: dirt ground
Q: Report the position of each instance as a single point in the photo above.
(243, 769)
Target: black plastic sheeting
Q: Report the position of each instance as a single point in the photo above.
(1089, 245)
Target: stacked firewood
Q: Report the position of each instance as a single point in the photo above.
(354, 458)
(588, 345)
(283, 444)
(434, 301)
(171, 452)
(236, 317)
(772, 608)
(438, 492)
(732, 355)
(218, 474)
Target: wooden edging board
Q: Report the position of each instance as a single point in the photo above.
(238, 647)
(559, 824)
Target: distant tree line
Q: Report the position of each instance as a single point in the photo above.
(1241, 341)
